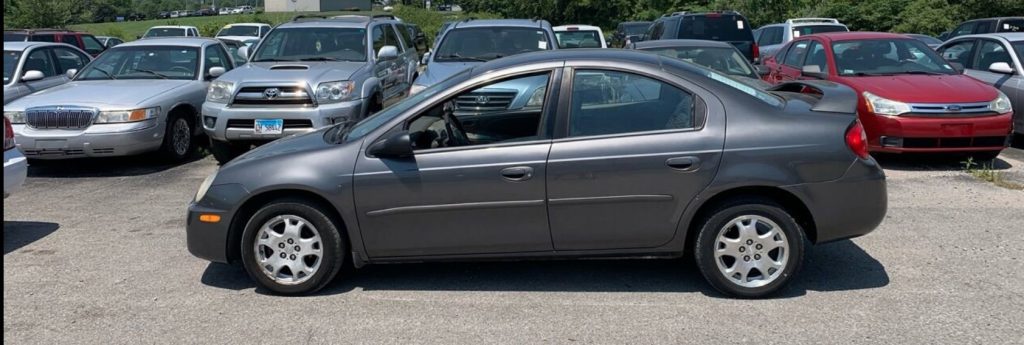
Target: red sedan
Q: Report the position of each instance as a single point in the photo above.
(911, 100)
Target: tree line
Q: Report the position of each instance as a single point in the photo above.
(61, 13)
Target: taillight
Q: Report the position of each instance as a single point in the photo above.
(757, 53)
(8, 135)
(857, 140)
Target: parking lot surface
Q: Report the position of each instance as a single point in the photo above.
(94, 252)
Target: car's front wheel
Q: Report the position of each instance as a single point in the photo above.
(179, 141)
(292, 247)
(224, 152)
(750, 247)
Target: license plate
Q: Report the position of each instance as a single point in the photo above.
(270, 126)
(51, 144)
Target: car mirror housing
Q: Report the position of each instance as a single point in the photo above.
(426, 58)
(1001, 68)
(395, 145)
(387, 53)
(762, 70)
(32, 75)
(244, 52)
(813, 71)
(215, 72)
(71, 73)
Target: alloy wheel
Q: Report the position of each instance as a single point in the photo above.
(288, 249)
(751, 251)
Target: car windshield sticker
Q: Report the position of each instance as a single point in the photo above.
(796, 33)
(542, 45)
(847, 71)
(1006, 26)
(739, 24)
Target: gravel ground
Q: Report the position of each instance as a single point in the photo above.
(94, 252)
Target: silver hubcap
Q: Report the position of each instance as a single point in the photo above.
(751, 251)
(288, 249)
(181, 138)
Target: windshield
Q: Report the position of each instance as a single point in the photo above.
(724, 28)
(725, 60)
(636, 28)
(805, 30)
(887, 57)
(10, 63)
(578, 39)
(313, 44)
(165, 32)
(364, 127)
(239, 30)
(14, 37)
(1017, 46)
(926, 39)
(143, 62)
(489, 43)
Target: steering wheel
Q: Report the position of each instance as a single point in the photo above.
(183, 69)
(456, 135)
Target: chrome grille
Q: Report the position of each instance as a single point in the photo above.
(290, 95)
(949, 109)
(60, 117)
(485, 100)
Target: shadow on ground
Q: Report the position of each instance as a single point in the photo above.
(838, 266)
(105, 167)
(933, 162)
(20, 234)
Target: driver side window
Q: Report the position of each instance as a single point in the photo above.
(505, 111)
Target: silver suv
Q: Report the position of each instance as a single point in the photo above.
(770, 38)
(308, 74)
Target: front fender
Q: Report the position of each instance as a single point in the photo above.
(369, 87)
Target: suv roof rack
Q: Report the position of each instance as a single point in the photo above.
(384, 16)
(683, 13)
(307, 17)
(812, 20)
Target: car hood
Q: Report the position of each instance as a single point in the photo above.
(924, 88)
(104, 94)
(438, 71)
(238, 38)
(282, 147)
(311, 72)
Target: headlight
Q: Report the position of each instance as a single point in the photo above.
(1000, 105)
(122, 116)
(220, 91)
(335, 91)
(538, 97)
(16, 117)
(205, 187)
(416, 89)
(882, 106)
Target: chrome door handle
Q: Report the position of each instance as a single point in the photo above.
(517, 173)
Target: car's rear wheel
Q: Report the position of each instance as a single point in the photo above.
(749, 248)
(292, 247)
(179, 141)
(224, 152)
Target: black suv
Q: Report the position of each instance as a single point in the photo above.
(986, 26)
(723, 26)
(83, 41)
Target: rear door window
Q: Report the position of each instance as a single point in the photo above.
(69, 39)
(990, 52)
(770, 36)
(795, 57)
(69, 59)
(40, 60)
(612, 102)
(44, 38)
(964, 29)
(726, 28)
(92, 45)
(1011, 25)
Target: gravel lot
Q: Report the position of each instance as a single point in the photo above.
(94, 252)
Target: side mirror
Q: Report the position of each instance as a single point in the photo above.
(71, 73)
(944, 36)
(395, 145)
(633, 38)
(215, 72)
(138, 37)
(813, 71)
(1001, 67)
(763, 70)
(244, 52)
(426, 58)
(387, 53)
(32, 75)
(959, 67)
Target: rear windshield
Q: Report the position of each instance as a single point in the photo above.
(726, 28)
(239, 30)
(165, 32)
(489, 43)
(635, 28)
(578, 39)
(12, 37)
(805, 30)
(1011, 25)
(725, 60)
(10, 63)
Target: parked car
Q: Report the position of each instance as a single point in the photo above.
(15, 164)
(720, 56)
(243, 10)
(244, 31)
(472, 42)
(649, 157)
(626, 30)
(929, 41)
(171, 31)
(985, 26)
(995, 59)
(911, 99)
(307, 74)
(33, 66)
(207, 12)
(579, 36)
(773, 36)
(109, 42)
(224, 11)
(419, 38)
(724, 26)
(163, 15)
(83, 41)
(233, 47)
(138, 97)
(175, 14)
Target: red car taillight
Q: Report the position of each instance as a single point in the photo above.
(8, 135)
(757, 53)
(857, 140)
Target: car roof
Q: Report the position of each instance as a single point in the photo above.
(171, 41)
(589, 54)
(680, 43)
(350, 21)
(581, 27)
(22, 45)
(480, 23)
(1009, 36)
(856, 35)
(246, 24)
(993, 18)
(172, 27)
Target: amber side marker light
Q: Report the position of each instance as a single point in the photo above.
(209, 218)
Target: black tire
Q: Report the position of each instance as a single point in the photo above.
(376, 106)
(985, 156)
(333, 246)
(224, 152)
(179, 138)
(706, 244)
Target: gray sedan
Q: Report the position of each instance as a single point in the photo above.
(624, 154)
(997, 59)
(137, 97)
(719, 56)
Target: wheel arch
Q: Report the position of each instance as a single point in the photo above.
(256, 201)
(789, 201)
(187, 110)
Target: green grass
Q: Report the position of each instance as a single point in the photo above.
(987, 172)
(208, 26)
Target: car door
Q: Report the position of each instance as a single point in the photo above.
(635, 150)
(791, 67)
(42, 59)
(988, 52)
(959, 52)
(461, 194)
(382, 69)
(400, 66)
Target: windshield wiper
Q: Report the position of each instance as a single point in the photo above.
(112, 77)
(275, 60)
(319, 58)
(922, 72)
(460, 57)
(866, 74)
(153, 73)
